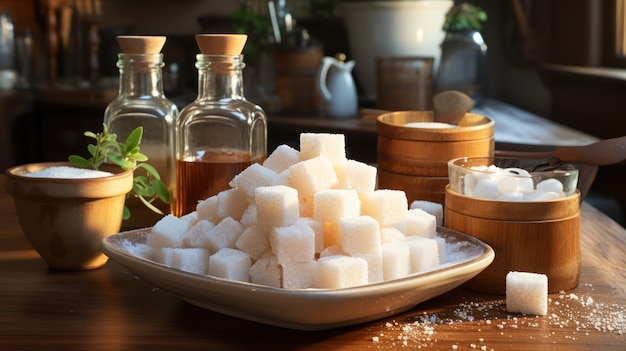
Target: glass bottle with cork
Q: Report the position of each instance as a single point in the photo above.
(142, 102)
(221, 133)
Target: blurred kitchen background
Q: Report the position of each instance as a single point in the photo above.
(562, 60)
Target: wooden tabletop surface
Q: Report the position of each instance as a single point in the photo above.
(111, 309)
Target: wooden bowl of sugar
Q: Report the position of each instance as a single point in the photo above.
(414, 150)
(537, 234)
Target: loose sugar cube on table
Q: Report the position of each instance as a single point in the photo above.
(299, 275)
(231, 203)
(282, 158)
(294, 243)
(252, 177)
(424, 253)
(332, 146)
(332, 204)
(527, 293)
(192, 260)
(434, 208)
(359, 235)
(230, 264)
(396, 260)
(386, 206)
(312, 175)
(169, 231)
(224, 234)
(266, 271)
(336, 272)
(421, 223)
(277, 205)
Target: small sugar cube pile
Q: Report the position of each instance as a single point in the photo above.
(308, 218)
(510, 184)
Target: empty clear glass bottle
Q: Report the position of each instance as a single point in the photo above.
(141, 102)
(219, 134)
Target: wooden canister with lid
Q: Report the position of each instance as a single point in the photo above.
(415, 159)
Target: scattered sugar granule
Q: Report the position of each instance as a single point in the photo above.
(65, 172)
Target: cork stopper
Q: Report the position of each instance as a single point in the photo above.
(221, 44)
(141, 44)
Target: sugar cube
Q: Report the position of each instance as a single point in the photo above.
(277, 205)
(391, 234)
(266, 271)
(538, 195)
(312, 175)
(224, 234)
(335, 272)
(332, 204)
(328, 145)
(252, 177)
(424, 253)
(434, 208)
(551, 185)
(294, 243)
(299, 275)
(527, 293)
(230, 264)
(356, 175)
(282, 158)
(192, 260)
(207, 209)
(359, 235)
(169, 231)
(486, 188)
(254, 240)
(331, 234)
(197, 235)
(332, 250)
(385, 205)
(396, 260)
(374, 266)
(231, 203)
(248, 218)
(421, 223)
(318, 229)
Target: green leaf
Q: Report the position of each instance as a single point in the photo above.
(79, 161)
(91, 135)
(161, 191)
(150, 169)
(134, 138)
(126, 213)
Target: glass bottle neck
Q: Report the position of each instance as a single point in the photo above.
(140, 75)
(220, 77)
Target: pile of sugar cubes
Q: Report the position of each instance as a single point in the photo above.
(509, 184)
(308, 218)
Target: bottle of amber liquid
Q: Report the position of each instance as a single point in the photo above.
(220, 133)
(141, 102)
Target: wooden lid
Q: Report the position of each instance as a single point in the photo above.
(141, 44)
(221, 44)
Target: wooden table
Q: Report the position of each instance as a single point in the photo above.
(110, 309)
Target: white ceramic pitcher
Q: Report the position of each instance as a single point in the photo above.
(336, 87)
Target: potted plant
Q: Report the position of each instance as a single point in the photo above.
(463, 52)
(66, 217)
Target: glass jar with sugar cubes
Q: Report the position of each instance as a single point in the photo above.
(220, 133)
(530, 218)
